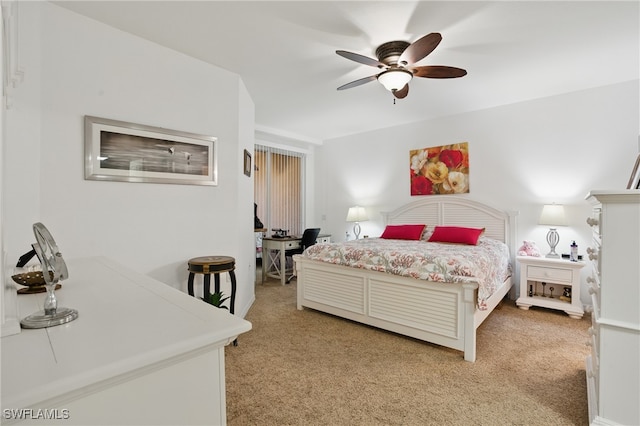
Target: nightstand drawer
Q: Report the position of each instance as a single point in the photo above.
(551, 274)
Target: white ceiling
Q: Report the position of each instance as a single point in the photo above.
(285, 53)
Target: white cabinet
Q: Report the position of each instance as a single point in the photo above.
(140, 352)
(613, 368)
(550, 283)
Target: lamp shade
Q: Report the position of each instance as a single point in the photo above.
(552, 215)
(357, 214)
(394, 79)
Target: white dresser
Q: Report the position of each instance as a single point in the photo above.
(613, 368)
(140, 352)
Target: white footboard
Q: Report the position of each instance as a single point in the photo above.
(440, 313)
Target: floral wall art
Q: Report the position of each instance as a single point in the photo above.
(440, 169)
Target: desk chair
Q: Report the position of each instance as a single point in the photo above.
(309, 237)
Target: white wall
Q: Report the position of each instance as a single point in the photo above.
(74, 67)
(521, 156)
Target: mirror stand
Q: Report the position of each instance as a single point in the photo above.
(54, 269)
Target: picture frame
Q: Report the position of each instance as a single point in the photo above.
(128, 152)
(634, 179)
(247, 163)
(439, 170)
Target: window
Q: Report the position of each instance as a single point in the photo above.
(278, 188)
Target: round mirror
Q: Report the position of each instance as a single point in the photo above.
(49, 255)
(54, 269)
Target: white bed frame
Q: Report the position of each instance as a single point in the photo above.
(442, 313)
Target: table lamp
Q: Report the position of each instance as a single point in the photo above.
(553, 216)
(357, 214)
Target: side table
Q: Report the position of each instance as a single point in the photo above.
(539, 275)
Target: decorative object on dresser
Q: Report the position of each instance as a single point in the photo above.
(613, 370)
(634, 179)
(54, 270)
(426, 307)
(552, 215)
(536, 273)
(357, 214)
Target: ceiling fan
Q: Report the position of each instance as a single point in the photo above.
(397, 60)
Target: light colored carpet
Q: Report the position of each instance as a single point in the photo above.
(309, 368)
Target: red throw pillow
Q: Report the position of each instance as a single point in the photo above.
(403, 232)
(456, 234)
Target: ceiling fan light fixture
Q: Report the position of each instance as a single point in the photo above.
(395, 79)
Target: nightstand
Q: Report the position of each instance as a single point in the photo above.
(539, 275)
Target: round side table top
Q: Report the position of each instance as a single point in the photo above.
(211, 260)
(211, 264)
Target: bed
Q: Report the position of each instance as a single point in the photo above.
(443, 313)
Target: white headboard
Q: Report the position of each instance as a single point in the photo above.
(453, 210)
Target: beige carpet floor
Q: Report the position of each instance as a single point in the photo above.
(309, 368)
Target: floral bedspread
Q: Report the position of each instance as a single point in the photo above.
(486, 263)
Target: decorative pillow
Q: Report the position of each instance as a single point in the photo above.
(402, 232)
(426, 233)
(456, 234)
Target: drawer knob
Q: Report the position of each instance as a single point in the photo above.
(592, 291)
(593, 256)
(590, 280)
(591, 331)
(592, 221)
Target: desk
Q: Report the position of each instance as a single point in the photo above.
(273, 254)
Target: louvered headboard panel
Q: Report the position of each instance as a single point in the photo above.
(456, 211)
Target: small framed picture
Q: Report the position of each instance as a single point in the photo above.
(247, 163)
(634, 179)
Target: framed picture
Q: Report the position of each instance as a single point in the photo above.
(634, 179)
(247, 163)
(439, 170)
(128, 152)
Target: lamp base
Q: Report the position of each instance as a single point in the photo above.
(552, 239)
(356, 230)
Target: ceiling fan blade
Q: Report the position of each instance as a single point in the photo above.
(361, 59)
(438, 71)
(419, 49)
(358, 82)
(402, 93)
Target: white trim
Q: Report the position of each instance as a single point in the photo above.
(619, 324)
(631, 196)
(269, 134)
(283, 147)
(9, 322)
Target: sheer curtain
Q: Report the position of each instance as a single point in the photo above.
(278, 188)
